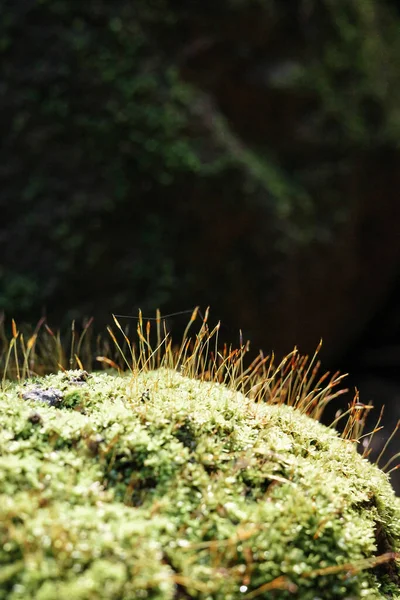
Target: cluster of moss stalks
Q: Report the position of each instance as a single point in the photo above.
(189, 476)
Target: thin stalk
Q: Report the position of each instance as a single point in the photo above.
(388, 442)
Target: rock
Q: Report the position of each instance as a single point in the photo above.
(50, 396)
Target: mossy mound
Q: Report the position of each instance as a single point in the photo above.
(162, 486)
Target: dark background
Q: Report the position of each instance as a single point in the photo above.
(242, 154)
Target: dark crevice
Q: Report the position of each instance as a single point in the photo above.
(384, 546)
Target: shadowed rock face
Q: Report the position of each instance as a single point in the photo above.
(163, 487)
(243, 156)
(50, 396)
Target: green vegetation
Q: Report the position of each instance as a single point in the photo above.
(113, 130)
(356, 75)
(189, 476)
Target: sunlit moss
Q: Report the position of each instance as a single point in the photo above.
(156, 485)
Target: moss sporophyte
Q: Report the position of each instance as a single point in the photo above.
(190, 476)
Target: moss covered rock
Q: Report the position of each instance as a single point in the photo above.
(165, 487)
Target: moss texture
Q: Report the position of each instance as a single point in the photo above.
(165, 487)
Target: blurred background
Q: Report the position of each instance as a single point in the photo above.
(242, 154)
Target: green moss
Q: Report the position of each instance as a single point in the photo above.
(162, 486)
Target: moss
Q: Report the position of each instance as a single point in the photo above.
(162, 486)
